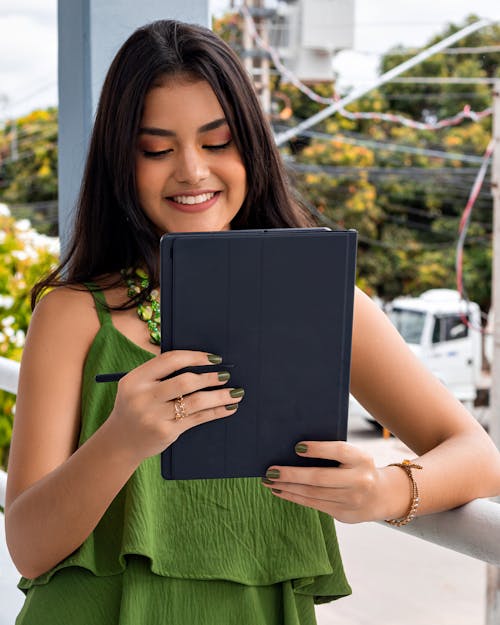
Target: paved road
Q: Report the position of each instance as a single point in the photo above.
(399, 579)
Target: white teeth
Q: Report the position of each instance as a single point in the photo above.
(193, 199)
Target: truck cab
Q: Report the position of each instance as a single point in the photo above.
(443, 330)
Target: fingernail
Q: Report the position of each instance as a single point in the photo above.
(214, 359)
(231, 406)
(300, 448)
(223, 376)
(266, 481)
(237, 392)
(273, 474)
(276, 490)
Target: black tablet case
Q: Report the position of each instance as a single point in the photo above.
(277, 306)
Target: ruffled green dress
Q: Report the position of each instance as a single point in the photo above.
(184, 552)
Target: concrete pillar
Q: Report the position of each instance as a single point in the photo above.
(90, 33)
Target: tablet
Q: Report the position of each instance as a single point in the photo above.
(277, 305)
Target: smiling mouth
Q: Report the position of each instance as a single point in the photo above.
(193, 199)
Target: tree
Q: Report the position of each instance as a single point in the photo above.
(408, 224)
(28, 163)
(427, 101)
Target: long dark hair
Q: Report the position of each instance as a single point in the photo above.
(111, 230)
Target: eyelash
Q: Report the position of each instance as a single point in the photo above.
(161, 153)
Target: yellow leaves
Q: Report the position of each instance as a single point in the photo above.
(452, 142)
(364, 285)
(45, 170)
(337, 153)
(362, 200)
(40, 115)
(25, 256)
(312, 179)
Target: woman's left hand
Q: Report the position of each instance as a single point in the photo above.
(350, 492)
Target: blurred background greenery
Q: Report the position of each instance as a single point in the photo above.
(25, 255)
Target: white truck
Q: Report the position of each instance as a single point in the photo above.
(443, 330)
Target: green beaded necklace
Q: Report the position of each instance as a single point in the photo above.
(148, 310)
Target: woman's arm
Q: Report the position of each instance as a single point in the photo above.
(459, 460)
(56, 494)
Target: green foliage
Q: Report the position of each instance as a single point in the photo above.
(28, 164)
(422, 101)
(26, 256)
(230, 28)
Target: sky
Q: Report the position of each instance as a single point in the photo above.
(28, 42)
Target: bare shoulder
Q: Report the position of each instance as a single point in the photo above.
(67, 304)
(62, 328)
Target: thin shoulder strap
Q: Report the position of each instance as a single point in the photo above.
(100, 303)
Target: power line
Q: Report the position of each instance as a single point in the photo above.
(327, 221)
(413, 51)
(337, 104)
(445, 80)
(392, 171)
(388, 76)
(473, 50)
(442, 95)
(419, 212)
(424, 136)
(395, 147)
(427, 228)
(465, 219)
(33, 93)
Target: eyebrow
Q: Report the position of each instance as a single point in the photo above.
(163, 132)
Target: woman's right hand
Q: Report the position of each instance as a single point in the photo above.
(144, 415)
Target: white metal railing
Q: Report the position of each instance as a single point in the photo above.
(9, 375)
(472, 529)
(3, 488)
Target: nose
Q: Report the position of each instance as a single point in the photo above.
(191, 166)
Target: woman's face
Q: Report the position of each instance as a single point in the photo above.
(189, 174)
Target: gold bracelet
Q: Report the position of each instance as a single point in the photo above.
(407, 466)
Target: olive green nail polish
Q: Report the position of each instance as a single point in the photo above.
(223, 376)
(237, 392)
(276, 490)
(214, 359)
(300, 448)
(273, 474)
(266, 481)
(231, 406)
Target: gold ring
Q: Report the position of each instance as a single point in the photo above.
(179, 408)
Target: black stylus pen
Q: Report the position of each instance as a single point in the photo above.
(110, 377)
(114, 377)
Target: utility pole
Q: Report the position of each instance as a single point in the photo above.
(14, 145)
(493, 572)
(256, 61)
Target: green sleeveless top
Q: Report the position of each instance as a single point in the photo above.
(232, 529)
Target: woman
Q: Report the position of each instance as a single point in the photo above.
(180, 144)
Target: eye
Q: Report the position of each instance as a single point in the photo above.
(218, 147)
(158, 154)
